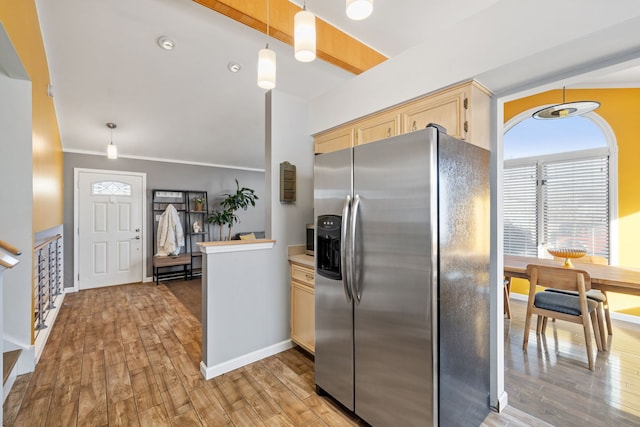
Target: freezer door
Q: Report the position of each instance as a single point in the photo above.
(394, 180)
(334, 310)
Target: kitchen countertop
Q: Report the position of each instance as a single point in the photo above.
(235, 246)
(302, 259)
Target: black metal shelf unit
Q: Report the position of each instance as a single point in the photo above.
(192, 207)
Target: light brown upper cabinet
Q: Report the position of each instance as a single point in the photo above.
(334, 140)
(446, 109)
(376, 127)
(463, 110)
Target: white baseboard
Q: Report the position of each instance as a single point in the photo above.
(503, 401)
(625, 317)
(238, 362)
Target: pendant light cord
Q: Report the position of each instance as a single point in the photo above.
(267, 24)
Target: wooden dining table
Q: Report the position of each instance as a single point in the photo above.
(608, 278)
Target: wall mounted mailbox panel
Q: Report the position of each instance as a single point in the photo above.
(287, 182)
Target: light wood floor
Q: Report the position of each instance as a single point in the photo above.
(129, 355)
(552, 381)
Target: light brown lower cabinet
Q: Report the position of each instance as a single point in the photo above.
(303, 322)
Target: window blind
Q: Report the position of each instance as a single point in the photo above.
(520, 211)
(575, 200)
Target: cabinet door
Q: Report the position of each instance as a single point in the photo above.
(334, 140)
(446, 109)
(378, 127)
(303, 314)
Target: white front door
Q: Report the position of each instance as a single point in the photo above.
(109, 227)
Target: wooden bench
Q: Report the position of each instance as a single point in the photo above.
(170, 261)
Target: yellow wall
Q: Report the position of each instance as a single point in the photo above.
(621, 109)
(20, 20)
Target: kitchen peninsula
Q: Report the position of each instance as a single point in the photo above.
(235, 304)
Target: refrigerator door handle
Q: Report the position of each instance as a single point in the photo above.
(344, 265)
(355, 289)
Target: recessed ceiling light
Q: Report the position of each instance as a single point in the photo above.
(166, 43)
(234, 67)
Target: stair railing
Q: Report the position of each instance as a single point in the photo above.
(47, 278)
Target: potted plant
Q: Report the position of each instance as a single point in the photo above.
(220, 218)
(241, 199)
(198, 203)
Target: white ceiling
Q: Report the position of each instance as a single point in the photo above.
(184, 105)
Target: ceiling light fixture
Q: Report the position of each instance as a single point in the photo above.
(112, 149)
(267, 63)
(566, 109)
(166, 43)
(304, 35)
(359, 9)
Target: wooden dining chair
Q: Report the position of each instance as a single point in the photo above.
(598, 296)
(571, 308)
(507, 295)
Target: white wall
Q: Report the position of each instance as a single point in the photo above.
(246, 298)
(506, 46)
(290, 141)
(16, 194)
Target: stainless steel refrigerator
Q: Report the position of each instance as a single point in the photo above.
(402, 280)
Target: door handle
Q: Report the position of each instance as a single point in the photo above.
(137, 238)
(355, 289)
(344, 264)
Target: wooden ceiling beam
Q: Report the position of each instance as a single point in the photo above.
(332, 45)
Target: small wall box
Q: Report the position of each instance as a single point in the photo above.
(287, 182)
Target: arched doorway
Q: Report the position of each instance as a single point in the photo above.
(559, 185)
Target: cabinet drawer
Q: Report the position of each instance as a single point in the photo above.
(302, 274)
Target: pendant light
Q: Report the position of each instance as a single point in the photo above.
(304, 35)
(112, 149)
(267, 63)
(566, 109)
(359, 9)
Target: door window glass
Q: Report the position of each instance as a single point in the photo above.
(110, 188)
